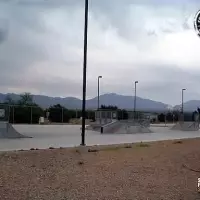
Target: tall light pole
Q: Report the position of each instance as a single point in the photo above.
(84, 74)
(99, 77)
(136, 82)
(182, 100)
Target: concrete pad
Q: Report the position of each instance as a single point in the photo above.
(45, 136)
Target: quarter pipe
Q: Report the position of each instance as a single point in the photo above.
(7, 131)
(186, 126)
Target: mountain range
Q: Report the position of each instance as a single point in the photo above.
(121, 101)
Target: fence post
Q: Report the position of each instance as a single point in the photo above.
(31, 115)
(76, 114)
(13, 114)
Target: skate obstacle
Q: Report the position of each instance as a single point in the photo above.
(6, 129)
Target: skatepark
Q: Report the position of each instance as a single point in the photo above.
(45, 136)
(109, 131)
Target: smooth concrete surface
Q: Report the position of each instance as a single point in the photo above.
(45, 136)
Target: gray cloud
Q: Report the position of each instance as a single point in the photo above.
(41, 47)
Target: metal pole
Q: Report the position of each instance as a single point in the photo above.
(13, 114)
(84, 73)
(135, 99)
(99, 77)
(182, 100)
(98, 95)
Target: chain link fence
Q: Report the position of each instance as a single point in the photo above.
(23, 114)
(31, 114)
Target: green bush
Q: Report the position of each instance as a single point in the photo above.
(22, 114)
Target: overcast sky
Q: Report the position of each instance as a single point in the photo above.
(152, 41)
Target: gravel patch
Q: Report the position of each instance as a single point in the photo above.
(159, 170)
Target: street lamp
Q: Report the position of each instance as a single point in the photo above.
(135, 98)
(84, 74)
(99, 77)
(182, 100)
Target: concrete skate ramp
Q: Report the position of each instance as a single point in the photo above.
(7, 131)
(111, 127)
(124, 127)
(132, 129)
(186, 126)
(93, 127)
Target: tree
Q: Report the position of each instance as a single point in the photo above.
(58, 113)
(169, 117)
(194, 114)
(122, 114)
(9, 100)
(23, 111)
(26, 114)
(161, 117)
(26, 99)
(109, 107)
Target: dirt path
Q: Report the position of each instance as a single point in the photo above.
(145, 171)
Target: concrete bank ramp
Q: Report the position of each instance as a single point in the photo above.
(122, 127)
(132, 129)
(186, 126)
(109, 127)
(7, 131)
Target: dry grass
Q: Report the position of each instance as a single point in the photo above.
(143, 145)
(110, 173)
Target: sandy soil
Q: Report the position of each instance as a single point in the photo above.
(145, 171)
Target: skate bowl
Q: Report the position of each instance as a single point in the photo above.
(186, 126)
(7, 131)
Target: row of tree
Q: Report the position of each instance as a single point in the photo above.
(25, 110)
(58, 113)
(175, 116)
(172, 116)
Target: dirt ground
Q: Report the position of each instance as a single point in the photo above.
(161, 170)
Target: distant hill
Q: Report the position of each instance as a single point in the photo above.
(127, 102)
(191, 105)
(121, 101)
